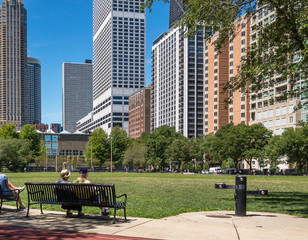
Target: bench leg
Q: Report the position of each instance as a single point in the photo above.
(114, 216)
(1, 205)
(28, 209)
(41, 208)
(17, 205)
(125, 214)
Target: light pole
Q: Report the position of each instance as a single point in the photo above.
(46, 158)
(91, 156)
(111, 152)
(57, 150)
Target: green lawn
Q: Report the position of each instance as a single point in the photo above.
(158, 195)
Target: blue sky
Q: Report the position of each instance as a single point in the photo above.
(61, 31)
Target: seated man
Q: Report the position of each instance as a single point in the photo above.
(83, 174)
(7, 187)
(65, 174)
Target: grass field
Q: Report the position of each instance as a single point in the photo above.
(158, 195)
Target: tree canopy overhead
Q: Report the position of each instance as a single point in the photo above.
(281, 45)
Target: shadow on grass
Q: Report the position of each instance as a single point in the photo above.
(295, 203)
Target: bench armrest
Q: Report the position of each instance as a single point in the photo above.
(123, 195)
(11, 190)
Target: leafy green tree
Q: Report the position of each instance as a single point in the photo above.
(120, 142)
(195, 149)
(135, 155)
(294, 144)
(8, 131)
(275, 50)
(99, 146)
(13, 152)
(28, 133)
(256, 138)
(157, 144)
(177, 152)
(272, 152)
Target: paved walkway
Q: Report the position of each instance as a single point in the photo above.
(199, 225)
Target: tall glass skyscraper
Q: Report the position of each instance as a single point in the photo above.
(118, 62)
(13, 62)
(33, 91)
(76, 93)
(176, 11)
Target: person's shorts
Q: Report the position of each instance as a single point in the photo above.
(9, 194)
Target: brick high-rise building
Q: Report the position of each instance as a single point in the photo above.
(216, 76)
(238, 46)
(13, 62)
(139, 112)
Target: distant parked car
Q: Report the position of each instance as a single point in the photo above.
(215, 170)
(205, 171)
(289, 171)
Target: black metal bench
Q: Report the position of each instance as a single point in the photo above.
(73, 194)
(11, 198)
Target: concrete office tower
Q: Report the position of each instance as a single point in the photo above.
(33, 91)
(216, 76)
(176, 11)
(76, 93)
(238, 47)
(140, 112)
(177, 82)
(278, 115)
(118, 62)
(13, 62)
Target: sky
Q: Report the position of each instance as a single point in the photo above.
(61, 31)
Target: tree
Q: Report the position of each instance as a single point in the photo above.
(135, 155)
(272, 152)
(195, 150)
(228, 143)
(279, 43)
(157, 143)
(256, 138)
(13, 152)
(178, 152)
(294, 144)
(8, 131)
(99, 146)
(28, 133)
(120, 142)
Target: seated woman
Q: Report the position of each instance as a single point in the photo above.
(7, 188)
(65, 174)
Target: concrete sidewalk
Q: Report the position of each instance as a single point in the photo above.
(198, 225)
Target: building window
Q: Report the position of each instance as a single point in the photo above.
(291, 119)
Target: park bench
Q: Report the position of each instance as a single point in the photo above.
(74, 194)
(12, 198)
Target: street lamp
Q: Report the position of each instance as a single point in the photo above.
(111, 153)
(91, 156)
(46, 158)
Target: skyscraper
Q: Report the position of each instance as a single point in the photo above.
(177, 82)
(13, 62)
(118, 62)
(76, 93)
(33, 91)
(176, 11)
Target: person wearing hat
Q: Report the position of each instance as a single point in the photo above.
(65, 174)
(83, 174)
